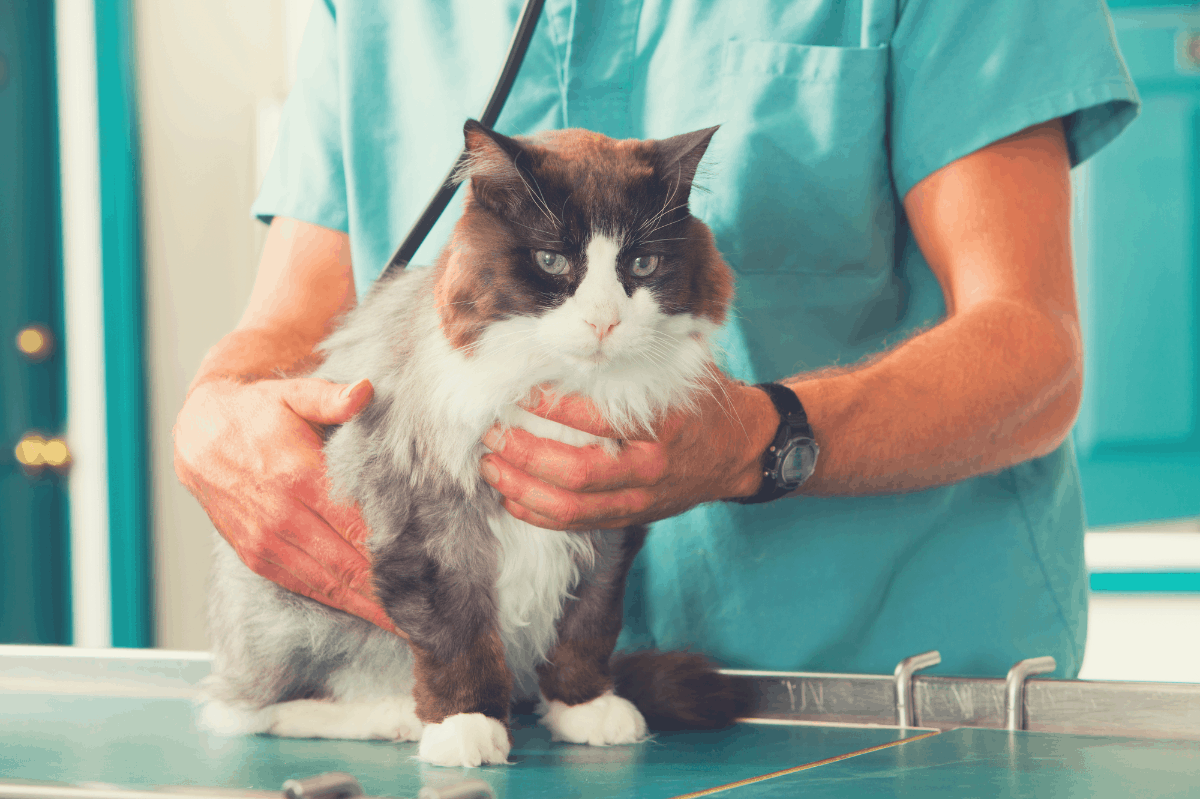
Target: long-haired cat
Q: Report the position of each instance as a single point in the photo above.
(576, 265)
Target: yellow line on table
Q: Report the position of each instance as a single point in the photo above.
(794, 769)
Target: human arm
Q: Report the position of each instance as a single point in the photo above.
(999, 380)
(248, 440)
(996, 382)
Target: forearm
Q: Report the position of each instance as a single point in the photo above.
(304, 285)
(987, 388)
(258, 353)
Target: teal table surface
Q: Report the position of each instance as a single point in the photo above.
(996, 763)
(142, 742)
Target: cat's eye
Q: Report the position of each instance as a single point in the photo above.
(643, 265)
(554, 263)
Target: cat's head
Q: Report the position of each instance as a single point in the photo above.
(581, 249)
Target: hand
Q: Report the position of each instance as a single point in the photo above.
(712, 453)
(251, 454)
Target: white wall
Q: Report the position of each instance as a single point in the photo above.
(206, 71)
(1153, 637)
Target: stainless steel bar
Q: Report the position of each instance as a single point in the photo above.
(1134, 709)
(1085, 707)
(809, 696)
(906, 710)
(1142, 710)
(1014, 688)
(323, 785)
(43, 791)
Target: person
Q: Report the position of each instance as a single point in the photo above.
(890, 184)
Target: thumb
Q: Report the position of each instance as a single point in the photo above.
(322, 402)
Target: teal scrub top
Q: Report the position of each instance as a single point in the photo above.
(830, 112)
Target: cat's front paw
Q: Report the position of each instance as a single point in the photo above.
(607, 719)
(465, 739)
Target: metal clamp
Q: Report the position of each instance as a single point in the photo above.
(1014, 689)
(330, 785)
(906, 707)
(340, 785)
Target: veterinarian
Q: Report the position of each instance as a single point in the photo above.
(890, 185)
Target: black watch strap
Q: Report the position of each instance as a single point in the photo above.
(793, 422)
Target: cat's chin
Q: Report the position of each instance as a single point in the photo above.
(590, 362)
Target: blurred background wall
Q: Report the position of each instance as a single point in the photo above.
(211, 77)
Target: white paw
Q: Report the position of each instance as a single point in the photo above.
(465, 739)
(607, 719)
(391, 719)
(222, 718)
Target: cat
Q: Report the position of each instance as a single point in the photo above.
(576, 265)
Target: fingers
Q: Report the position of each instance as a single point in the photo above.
(577, 412)
(297, 571)
(560, 508)
(325, 403)
(250, 455)
(578, 468)
(345, 519)
(308, 556)
(325, 541)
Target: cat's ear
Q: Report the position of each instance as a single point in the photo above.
(493, 164)
(679, 157)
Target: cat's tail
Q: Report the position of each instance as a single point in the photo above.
(680, 690)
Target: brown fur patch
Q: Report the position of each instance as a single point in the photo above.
(680, 691)
(477, 681)
(576, 671)
(577, 668)
(711, 286)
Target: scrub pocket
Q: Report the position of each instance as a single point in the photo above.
(799, 170)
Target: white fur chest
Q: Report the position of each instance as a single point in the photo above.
(537, 569)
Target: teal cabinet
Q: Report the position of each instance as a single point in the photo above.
(1138, 432)
(35, 596)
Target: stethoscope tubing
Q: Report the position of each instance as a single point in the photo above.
(491, 112)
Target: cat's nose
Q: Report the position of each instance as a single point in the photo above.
(603, 328)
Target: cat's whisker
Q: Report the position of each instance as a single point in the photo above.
(731, 412)
(545, 204)
(554, 236)
(507, 338)
(541, 206)
(664, 224)
(666, 201)
(508, 346)
(451, 304)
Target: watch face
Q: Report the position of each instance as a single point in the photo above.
(799, 461)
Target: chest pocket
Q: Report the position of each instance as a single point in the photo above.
(800, 180)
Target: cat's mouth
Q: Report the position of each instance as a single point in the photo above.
(597, 357)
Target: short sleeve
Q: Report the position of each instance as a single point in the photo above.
(306, 178)
(966, 73)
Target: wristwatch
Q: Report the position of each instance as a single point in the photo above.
(792, 455)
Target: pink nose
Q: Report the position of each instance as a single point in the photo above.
(604, 328)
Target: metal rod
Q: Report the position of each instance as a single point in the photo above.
(1082, 707)
(906, 708)
(330, 785)
(1014, 689)
(22, 791)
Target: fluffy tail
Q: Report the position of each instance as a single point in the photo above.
(680, 690)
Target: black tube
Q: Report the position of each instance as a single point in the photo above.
(491, 112)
